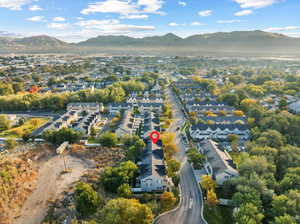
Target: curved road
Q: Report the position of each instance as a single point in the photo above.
(191, 206)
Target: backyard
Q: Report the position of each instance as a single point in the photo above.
(28, 127)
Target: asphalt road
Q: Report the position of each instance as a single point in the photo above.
(189, 210)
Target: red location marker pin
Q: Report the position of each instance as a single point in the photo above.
(155, 136)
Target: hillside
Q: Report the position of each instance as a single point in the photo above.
(254, 43)
(35, 44)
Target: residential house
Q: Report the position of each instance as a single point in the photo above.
(218, 164)
(85, 106)
(219, 131)
(153, 172)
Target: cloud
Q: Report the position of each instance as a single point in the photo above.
(125, 7)
(14, 4)
(59, 26)
(142, 16)
(205, 13)
(36, 19)
(182, 3)
(286, 28)
(229, 21)
(96, 23)
(111, 26)
(256, 4)
(35, 8)
(196, 24)
(111, 6)
(173, 24)
(244, 12)
(151, 6)
(79, 18)
(59, 19)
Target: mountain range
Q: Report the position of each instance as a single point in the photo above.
(232, 43)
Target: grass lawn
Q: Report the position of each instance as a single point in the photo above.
(29, 126)
(218, 215)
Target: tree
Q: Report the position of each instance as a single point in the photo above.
(167, 200)
(176, 180)
(211, 198)
(288, 157)
(170, 150)
(247, 194)
(26, 136)
(93, 132)
(207, 183)
(126, 211)
(269, 153)
(231, 99)
(234, 140)
(285, 219)
(124, 191)
(173, 166)
(288, 203)
(195, 158)
(4, 123)
(271, 138)
(291, 180)
(168, 138)
(10, 144)
(248, 214)
(6, 89)
(259, 165)
(65, 134)
(87, 200)
(108, 139)
(113, 177)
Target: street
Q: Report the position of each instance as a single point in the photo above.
(189, 210)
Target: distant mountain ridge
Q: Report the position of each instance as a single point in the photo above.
(244, 42)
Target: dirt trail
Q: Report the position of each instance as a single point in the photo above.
(50, 184)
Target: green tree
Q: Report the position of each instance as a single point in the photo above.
(288, 203)
(271, 138)
(173, 166)
(108, 139)
(248, 214)
(6, 89)
(291, 180)
(4, 123)
(124, 191)
(113, 177)
(86, 198)
(285, 219)
(231, 99)
(195, 158)
(62, 135)
(126, 211)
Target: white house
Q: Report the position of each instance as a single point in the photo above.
(218, 164)
(219, 131)
(85, 106)
(153, 173)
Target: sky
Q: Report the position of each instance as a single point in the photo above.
(77, 20)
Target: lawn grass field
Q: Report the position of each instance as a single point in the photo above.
(28, 127)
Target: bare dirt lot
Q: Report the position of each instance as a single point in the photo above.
(51, 183)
